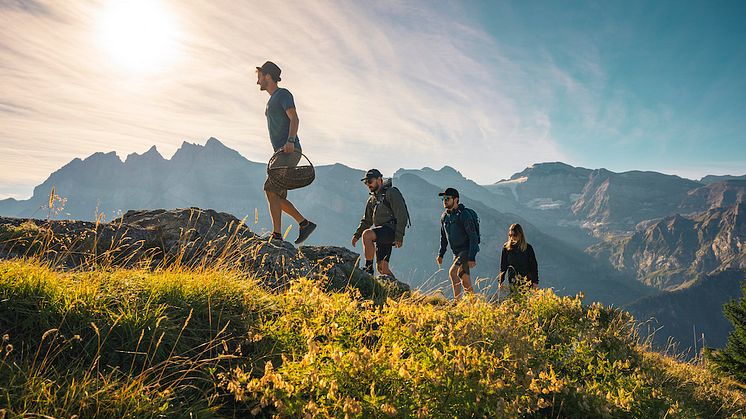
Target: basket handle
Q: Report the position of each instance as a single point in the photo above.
(277, 153)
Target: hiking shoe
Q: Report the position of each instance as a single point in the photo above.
(368, 270)
(304, 232)
(275, 237)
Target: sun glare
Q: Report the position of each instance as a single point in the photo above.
(139, 35)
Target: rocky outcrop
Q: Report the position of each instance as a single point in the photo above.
(193, 238)
(618, 201)
(715, 195)
(670, 252)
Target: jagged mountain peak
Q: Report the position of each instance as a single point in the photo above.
(103, 157)
(445, 171)
(213, 142)
(548, 169)
(449, 170)
(151, 155)
(212, 149)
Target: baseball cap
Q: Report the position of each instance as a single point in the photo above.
(449, 192)
(372, 174)
(272, 69)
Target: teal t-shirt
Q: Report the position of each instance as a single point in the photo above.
(278, 121)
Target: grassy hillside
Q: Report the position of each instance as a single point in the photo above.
(170, 343)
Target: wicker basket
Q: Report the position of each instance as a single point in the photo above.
(290, 177)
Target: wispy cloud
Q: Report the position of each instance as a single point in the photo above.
(26, 6)
(387, 84)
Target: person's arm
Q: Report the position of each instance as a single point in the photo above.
(365, 222)
(294, 122)
(400, 212)
(288, 104)
(503, 264)
(533, 266)
(443, 241)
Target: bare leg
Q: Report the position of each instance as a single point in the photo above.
(275, 211)
(383, 268)
(290, 210)
(369, 244)
(455, 281)
(466, 282)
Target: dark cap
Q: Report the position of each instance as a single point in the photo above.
(372, 174)
(449, 192)
(272, 69)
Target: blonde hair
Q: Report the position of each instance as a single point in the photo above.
(522, 243)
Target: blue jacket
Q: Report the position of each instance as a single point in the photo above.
(459, 229)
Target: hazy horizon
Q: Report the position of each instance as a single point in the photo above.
(123, 158)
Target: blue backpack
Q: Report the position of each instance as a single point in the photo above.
(470, 213)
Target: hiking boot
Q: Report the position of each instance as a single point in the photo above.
(368, 270)
(304, 232)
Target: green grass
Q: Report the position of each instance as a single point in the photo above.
(213, 343)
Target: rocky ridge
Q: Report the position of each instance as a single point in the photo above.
(189, 237)
(672, 252)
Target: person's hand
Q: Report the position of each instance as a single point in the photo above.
(472, 264)
(500, 285)
(399, 243)
(439, 260)
(288, 147)
(354, 241)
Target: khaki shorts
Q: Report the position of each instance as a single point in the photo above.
(283, 160)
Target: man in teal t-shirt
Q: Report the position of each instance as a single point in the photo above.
(282, 122)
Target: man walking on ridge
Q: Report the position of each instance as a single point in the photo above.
(459, 226)
(383, 223)
(282, 121)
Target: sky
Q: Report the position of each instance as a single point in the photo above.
(486, 87)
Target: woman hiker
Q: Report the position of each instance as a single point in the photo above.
(518, 258)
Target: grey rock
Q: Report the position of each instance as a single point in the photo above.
(673, 252)
(191, 237)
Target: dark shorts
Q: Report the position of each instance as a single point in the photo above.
(283, 160)
(385, 236)
(461, 259)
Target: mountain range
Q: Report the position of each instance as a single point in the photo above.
(616, 237)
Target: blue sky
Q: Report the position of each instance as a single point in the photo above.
(652, 85)
(486, 87)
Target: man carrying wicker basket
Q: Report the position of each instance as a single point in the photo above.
(282, 121)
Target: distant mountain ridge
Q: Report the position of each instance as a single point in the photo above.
(145, 181)
(545, 185)
(709, 179)
(618, 201)
(670, 252)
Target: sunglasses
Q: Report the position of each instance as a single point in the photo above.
(446, 198)
(370, 181)
(511, 234)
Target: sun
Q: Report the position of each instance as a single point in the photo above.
(139, 35)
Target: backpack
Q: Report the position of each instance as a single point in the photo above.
(388, 204)
(471, 213)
